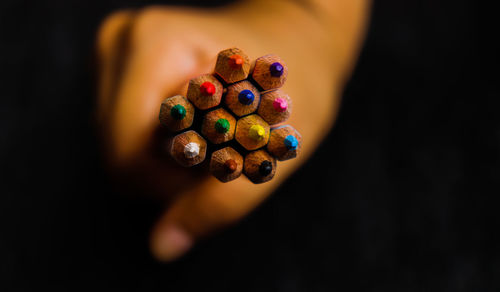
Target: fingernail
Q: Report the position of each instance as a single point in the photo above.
(172, 243)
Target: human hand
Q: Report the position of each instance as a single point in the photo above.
(148, 55)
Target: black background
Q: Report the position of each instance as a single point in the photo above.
(402, 196)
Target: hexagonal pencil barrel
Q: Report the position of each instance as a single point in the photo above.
(218, 126)
(284, 143)
(226, 164)
(242, 98)
(269, 72)
(275, 107)
(176, 113)
(232, 65)
(252, 104)
(188, 148)
(252, 132)
(205, 91)
(259, 166)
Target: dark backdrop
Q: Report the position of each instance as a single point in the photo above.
(402, 196)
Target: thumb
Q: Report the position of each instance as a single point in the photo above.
(208, 208)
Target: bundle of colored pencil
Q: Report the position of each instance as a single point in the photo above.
(234, 116)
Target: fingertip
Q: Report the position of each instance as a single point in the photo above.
(170, 242)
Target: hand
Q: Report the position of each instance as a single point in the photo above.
(148, 55)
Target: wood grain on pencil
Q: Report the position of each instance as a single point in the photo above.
(226, 164)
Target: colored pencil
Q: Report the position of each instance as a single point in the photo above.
(284, 143)
(218, 126)
(275, 107)
(270, 72)
(205, 91)
(252, 132)
(259, 166)
(188, 148)
(232, 65)
(226, 164)
(176, 113)
(242, 98)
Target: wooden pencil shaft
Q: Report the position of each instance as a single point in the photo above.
(252, 132)
(242, 98)
(284, 143)
(232, 65)
(176, 113)
(218, 126)
(226, 164)
(188, 148)
(269, 72)
(259, 166)
(275, 107)
(205, 91)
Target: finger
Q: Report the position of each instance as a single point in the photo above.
(207, 208)
(200, 211)
(111, 50)
(159, 65)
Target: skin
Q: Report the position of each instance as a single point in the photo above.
(148, 55)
